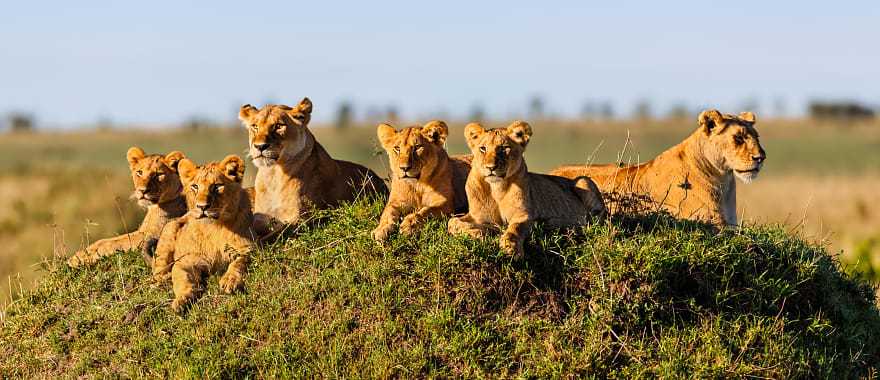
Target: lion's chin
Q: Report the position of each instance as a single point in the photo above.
(491, 178)
(747, 176)
(264, 162)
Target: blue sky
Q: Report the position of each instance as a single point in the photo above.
(73, 63)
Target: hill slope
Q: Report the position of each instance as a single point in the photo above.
(621, 299)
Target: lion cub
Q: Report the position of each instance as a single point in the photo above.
(156, 188)
(294, 172)
(214, 236)
(694, 179)
(501, 191)
(425, 181)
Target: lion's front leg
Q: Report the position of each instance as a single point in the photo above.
(466, 225)
(411, 222)
(233, 279)
(106, 247)
(188, 277)
(386, 223)
(163, 260)
(514, 237)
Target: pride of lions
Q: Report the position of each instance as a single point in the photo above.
(201, 221)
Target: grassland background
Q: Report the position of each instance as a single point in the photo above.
(60, 190)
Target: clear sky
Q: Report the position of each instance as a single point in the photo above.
(74, 62)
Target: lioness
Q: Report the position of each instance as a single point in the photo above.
(694, 179)
(294, 172)
(501, 190)
(156, 188)
(425, 181)
(214, 236)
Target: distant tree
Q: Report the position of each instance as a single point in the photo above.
(589, 110)
(104, 123)
(750, 104)
(606, 110)
(642, 110)
(840, 111)
(344, 115)
(780, 107)
(196, 123)
(536, 107)
(678, 111)
(20, 122)
(477, 113)
(392, 113)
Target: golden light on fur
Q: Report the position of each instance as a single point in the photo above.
(503, 195)
(694, 179)
(157, 188)
(425, 181)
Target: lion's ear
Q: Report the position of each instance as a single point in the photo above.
(385, 133)
(748, 117)
(233, 167)
(709, 119)
(520, 132)
(246, 111)
(435, 131)
(305, 106)
(173, 159)
(134, 155)
(472, 132)
(187, 169)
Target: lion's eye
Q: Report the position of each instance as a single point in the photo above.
(419, 148)
(161, 177)
(140, 173)
(506, 149)
(482, 149)
(254, 127)
(397, 149)
(194, 187)
(217, 189)
(738, 140)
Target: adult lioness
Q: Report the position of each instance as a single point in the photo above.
(214, 236)
(294, 172)
(156, 188)
(694, 179)
(425, 180)
(501, 191)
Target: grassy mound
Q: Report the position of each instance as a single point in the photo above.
(626, 298)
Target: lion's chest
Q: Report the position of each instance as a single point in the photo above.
(278, 196)
(214, 243)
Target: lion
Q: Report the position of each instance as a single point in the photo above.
(157, 188)
(694, 179)
(425, 181)
(294, 172)
(501, 191)
(214, 236)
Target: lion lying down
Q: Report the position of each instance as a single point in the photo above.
(694, 179)
(501, 191)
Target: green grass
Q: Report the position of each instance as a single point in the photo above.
(626, 298)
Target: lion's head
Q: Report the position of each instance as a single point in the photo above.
(275, 131)
(414, 150)
(155, 176)
(733, 143)
(213, 190)
(498, 152)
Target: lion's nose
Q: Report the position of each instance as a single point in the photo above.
(759, 159)
(261, 147)
(202, 206)
(405, 168)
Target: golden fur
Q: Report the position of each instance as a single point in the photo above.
(157, 188)
(501, 191)
(425, 181)
(294, 172)
(214, 236)
(694, 179)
